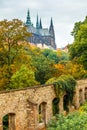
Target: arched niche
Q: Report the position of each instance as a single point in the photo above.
(42, 112)
(55, 106)
(86, 93)
(66, 103)
(9, 121)
(80, 96)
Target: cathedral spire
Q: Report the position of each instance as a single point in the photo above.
(28, 20)
(51, 23)
(52, 33)
(40, 24)
(51, 28)
(37, 23)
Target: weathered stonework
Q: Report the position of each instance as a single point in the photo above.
(80, 93)
(25, 106)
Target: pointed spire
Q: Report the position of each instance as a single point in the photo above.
(28, 21)
(51, 28)
(37, 23)
(40, 24)
(51, 23)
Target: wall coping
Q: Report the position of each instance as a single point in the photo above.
(27, 88)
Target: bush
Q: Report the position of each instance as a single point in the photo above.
(74, 121)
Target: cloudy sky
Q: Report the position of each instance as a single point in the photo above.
(64, 13)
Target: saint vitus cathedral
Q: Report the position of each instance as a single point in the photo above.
(40, 35)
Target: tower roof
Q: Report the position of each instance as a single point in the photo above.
(28, 20)
(40, 24)
(51, 23)
(37, 23)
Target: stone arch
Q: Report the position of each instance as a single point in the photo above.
(42, 112)
(55, 105)
(9, 121)
(85, 93)
(80, 97)
(66, 102)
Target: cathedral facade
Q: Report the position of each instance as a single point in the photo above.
(40, 35)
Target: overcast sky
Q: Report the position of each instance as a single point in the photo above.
(64, 13)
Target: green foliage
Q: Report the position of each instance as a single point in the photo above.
(78, 50)
(5, 122)
(55, 106)
(83, 108)
(64, 57)
(22, 78)
(57, 57)
(51, 80)
(77, 28)
(44, 68)
(65, 83)
(76, 70)
(52, 55)
(11, 33)
(85, 76)
(74, 121)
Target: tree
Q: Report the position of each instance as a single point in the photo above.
(78, 50)
(44, 68)
(51, 55)
(56, 56)
(76, 28)
(12, 33)
(75, 69)
(22, 78)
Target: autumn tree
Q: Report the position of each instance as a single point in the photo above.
(12, 33)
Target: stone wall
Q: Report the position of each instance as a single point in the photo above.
(24, 105)
(80, 93)
(31, 108)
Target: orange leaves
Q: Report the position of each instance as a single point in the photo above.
(76, 70)
(60, 68)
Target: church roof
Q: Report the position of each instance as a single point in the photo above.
(42, 32)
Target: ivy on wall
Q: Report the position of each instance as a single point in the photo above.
(64, 83)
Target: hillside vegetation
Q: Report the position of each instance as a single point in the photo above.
(23, 64)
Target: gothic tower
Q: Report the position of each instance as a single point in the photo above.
(28, 20)
(51, 31)
(37, 23)
(40, 24)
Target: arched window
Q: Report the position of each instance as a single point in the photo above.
(55, 106)
(86, 93)
(9, 121)
(80, 96)
(66, 102)
(42, 112)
